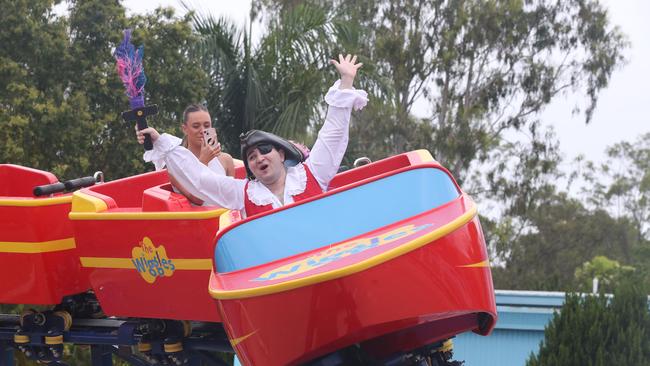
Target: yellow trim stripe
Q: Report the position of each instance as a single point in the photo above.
(193, 264)
(36, 202)
(236, 341)
(224, 220)
(37, 247)
(354, 268)
(484, 263)
(83, 202)
(114, 263)
(195, 215)
(88, 207)
(127, 263)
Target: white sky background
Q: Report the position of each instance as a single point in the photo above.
(237, 10)
(623, 108)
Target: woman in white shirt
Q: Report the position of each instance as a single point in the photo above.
(196, 119)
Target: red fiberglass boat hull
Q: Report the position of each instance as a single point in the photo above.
(39, 263)
(437, 290)
(146, 250)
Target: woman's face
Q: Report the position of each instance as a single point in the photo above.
(193, 128)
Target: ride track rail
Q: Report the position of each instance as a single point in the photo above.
(115, 337)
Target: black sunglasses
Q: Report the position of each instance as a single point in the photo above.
(262, 148)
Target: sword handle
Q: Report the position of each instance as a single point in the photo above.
(142, 124)
(140, 117)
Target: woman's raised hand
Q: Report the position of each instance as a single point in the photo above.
(208, 152)
(150, 130)
(347, 67)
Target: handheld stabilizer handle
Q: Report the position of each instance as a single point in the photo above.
(48, 189)
(140, 116)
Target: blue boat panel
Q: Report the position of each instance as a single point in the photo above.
(334, 218)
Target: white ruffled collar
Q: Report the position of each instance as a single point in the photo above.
(294, 184)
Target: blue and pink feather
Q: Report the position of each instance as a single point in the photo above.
(131, 70)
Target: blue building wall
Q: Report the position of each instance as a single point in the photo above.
(518, 332)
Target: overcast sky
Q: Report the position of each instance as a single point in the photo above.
(622, 112)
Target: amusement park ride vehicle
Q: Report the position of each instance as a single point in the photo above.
(383, 269)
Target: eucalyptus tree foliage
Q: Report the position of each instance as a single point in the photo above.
(621, 184)
(539, 235)
(562, 235)
(485, 66)
(276, 84)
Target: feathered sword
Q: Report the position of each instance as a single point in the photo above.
(131, 71)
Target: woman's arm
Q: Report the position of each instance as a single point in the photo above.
(228, 164)
(191, 175)
(184, 191)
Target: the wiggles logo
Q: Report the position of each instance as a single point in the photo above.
(151, 262)
(338, 252)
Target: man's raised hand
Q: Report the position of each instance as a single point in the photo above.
(347, 68)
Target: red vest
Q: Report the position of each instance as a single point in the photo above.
(311, 189)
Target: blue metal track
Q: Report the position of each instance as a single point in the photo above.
(112, 337)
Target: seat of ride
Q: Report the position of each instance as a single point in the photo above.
(148, 192)
(139, 240)
(380, 167)
(163, 198)
(38, 260)
(152, 192)
(19, 181)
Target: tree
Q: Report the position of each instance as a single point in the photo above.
(539, 235)
(31, 96)
(608, 272)
(175, 80)
(621, 184)
(592, 330)
(276, 85)
(486, 67)
(560, 236)
(60, 94)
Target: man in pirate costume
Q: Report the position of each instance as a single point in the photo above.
(283, 174)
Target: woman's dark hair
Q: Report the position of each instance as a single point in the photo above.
(193, 108)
